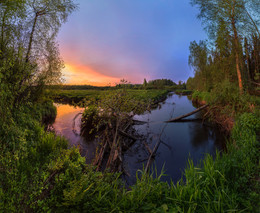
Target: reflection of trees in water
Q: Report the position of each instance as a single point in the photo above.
(200, 135)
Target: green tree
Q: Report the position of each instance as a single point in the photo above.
(145, 84)
(198, 59)
(235, 15)
(28, 50)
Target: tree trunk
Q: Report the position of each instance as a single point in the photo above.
(233, 22)
(188, 114)
(252, 20)
(31, 38)
(248, 61)
(256, 52)
(2, 30)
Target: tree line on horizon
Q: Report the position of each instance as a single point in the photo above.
(232, 52)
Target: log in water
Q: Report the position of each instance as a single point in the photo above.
(188, 114)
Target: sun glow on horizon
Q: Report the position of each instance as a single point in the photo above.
(84, 75)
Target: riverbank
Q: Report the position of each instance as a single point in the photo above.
(224, 183)
(225, 109)
(40, 173)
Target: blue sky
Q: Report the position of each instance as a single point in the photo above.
(107, 40)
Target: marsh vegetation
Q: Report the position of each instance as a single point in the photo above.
(40, 172)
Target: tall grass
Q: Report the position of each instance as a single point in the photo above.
(40, 174)
(227, 183)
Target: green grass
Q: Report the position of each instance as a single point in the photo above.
(40, 174)
(75, 96)
(183, 92)
(226, 184)
(146, 95)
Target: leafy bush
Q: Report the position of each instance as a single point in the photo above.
(201, 96)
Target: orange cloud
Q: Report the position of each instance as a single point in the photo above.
(80, 74)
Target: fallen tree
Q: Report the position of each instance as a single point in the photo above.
(188, 114)
(110, 120)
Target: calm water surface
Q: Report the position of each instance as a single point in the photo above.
(63, 125)
(180, 141)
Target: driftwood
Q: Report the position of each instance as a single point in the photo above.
(101, 156)
(126, 135)
(188, 114)
(152, 154)
(115, 151)
(137, 122)
(154, 150)
(147, 147)
(114, 142)
(167, 145)
(127, 126)
(189, 120)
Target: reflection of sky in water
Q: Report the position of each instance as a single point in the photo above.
(64, 126)
(179, 140)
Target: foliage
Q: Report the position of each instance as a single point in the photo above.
(43, 175)
(160, 83)
(29, 55)
(90, 120)
(183, 92)
(227, 97)
(77, 96)
(229, 24)
(201, 96)
(38, 173)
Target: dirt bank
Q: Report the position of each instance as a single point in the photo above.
(215, 113)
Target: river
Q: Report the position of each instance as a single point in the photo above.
(180, 141)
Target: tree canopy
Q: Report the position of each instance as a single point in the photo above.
(229, 24)
(29, 54)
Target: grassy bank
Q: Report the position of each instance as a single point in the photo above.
(40, 173)
(226, 104)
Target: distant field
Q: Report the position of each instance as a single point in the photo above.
(154, 95)
(70, 96)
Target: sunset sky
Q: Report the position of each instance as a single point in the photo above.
(108, 40)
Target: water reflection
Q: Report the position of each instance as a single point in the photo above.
(64, 126)
(181, 141)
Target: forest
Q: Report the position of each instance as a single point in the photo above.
(231, 53)
(39, 172)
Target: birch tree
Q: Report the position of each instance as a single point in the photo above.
(235, 14)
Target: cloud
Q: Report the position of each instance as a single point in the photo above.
(78, 74)
(111, 40)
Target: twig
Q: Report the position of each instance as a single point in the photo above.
(167, 145)
(147, 147)
(126, 135)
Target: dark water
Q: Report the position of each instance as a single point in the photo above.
(180, 141)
